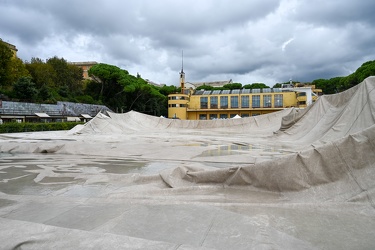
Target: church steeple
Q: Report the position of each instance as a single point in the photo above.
(182, 75)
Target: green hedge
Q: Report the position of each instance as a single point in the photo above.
(14, 127)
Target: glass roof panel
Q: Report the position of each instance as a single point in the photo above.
(266, 90)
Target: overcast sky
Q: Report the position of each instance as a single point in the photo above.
(248, 41)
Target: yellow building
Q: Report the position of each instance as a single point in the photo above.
(221, 104)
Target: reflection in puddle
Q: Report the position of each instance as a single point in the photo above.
(45, 174)
(238, 149)
(57, 180)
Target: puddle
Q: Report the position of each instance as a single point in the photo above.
(44, 174)
(239, 149)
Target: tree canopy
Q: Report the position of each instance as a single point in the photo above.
(5, 60)
(124, 92)
(338, 84)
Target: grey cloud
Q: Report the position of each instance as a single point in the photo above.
(251, 41)
(336, 12)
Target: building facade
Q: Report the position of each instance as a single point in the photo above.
(85, 66)
(222, 104)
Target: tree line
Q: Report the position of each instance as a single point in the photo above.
(339, 84)
(56, 80)
(328, 86)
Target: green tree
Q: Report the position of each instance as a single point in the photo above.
(338, 84)
(166, 90)
(43, 74)
(256, 86)
(121, 91)
(367, 69)
(25, 89)
(5, 59)
(108, 77)
(16, 69)
(233, 86)
(44, 94)
(68, 77)
(205, 87)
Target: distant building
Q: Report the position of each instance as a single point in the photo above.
(12, 48)
(193, 104)
(154, 84)
(194, 85)
(85, 66)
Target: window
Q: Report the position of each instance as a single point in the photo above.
(256, 101)
(204, 102)
(267, 101)
(245, 101)
(244, 115)
(223, 116)
(202, 117)
(232, 115)
(234, 101)
(278, 101)
(213, 116)
(213, 102)
(173, 98)
(223, 102)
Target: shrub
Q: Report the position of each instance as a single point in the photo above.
(15, 127)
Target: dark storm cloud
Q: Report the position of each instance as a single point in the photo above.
(336, 12)
(247, 41)
(29, 25)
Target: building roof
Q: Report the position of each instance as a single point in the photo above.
(88, 63)
(11, 46)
